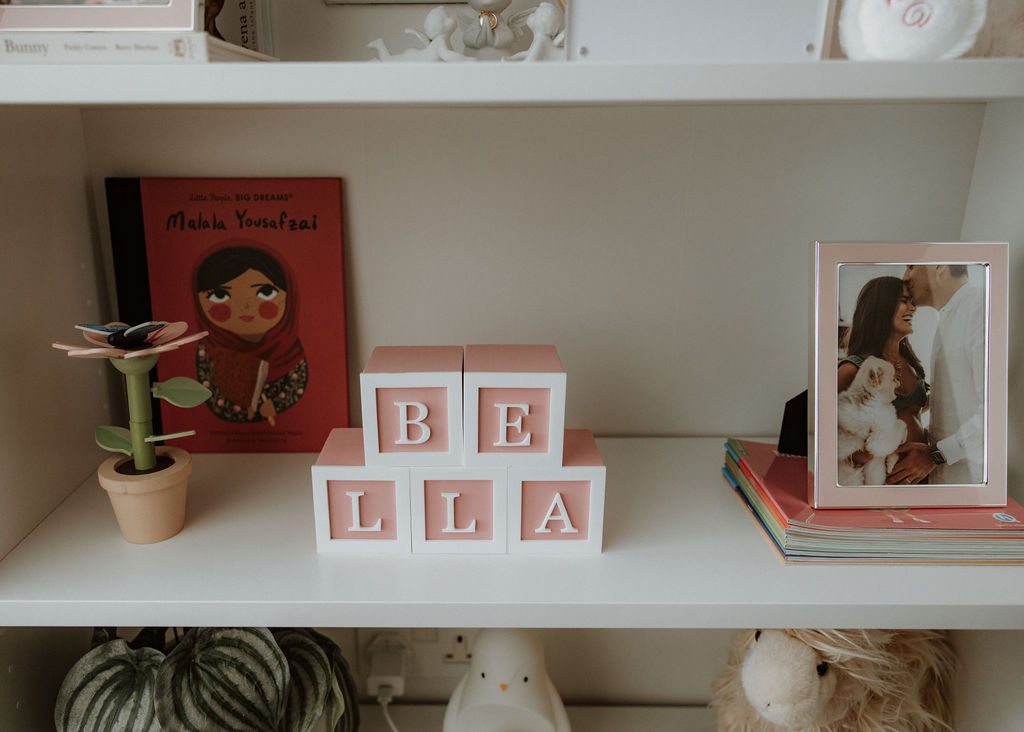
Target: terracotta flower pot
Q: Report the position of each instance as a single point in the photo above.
(149, 507)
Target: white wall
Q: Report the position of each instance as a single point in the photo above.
(663, 249)
(48, 403)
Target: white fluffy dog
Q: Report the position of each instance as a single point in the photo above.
(867, 421)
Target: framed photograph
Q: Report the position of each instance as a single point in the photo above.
(178, 15)
(910, 374)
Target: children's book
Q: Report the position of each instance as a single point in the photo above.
(774, 488)
(258, 264)
(120, 47)
(244, 23)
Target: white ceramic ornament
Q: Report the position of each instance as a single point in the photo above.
(438, 28)
(908, 30)
(506, 688)
(547, 22)
(485, 33)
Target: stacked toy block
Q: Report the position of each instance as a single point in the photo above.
(462, 450)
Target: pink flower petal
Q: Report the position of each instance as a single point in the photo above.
(191, 339)
(97, 353)
(169, 332)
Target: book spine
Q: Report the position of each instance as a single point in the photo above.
(119, 47)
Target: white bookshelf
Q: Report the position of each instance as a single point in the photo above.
(367, 83)
(681, 551)
(677, 202)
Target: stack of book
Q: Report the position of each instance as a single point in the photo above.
(134, 31)
(775, 488)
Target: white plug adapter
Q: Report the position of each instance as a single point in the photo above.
(388, 655)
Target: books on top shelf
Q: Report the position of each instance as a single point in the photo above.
(135, 31)
(117, 47)
(775, 489)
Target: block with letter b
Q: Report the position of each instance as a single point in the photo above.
(358, 508)
(514, 405)
(559, 510)
(459, 510)
(412, 405)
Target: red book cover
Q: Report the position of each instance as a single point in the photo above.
(782, 482)
(258, 263)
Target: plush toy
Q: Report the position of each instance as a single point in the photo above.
(906, 30)
(836, 681)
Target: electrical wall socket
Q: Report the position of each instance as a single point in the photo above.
(438, 658)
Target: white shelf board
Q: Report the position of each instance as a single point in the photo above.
(428, 718)
(680, 552)
(367, 83)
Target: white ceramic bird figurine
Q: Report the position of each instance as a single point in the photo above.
(507, 688)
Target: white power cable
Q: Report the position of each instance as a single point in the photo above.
(384, 698)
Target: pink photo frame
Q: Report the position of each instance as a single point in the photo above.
(926, 323)
(171, 15)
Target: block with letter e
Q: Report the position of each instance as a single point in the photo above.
(412, 405)
(514, 405)
(459, 509)
(358, 508)
(559, 510)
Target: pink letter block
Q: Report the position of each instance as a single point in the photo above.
(357, 508)
(559, 510)
(514, 406)
(412, 405)
(459, 510)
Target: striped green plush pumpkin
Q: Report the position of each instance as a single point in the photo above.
(224, 679)
(110, 688)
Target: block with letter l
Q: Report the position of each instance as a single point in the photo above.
(559, 510)
(459, 510)
(514, 405)
(412, 405)
(358, 508)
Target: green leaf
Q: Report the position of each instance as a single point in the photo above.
(310, 681)
(225, 679)
(112, 687)
(181, 391)
(114, 439)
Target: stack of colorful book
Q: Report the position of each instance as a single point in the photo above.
(775, 489)
(134, 31)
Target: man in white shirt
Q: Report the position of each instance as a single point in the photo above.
(955, 452)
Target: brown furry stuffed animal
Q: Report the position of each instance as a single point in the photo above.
(836, 681)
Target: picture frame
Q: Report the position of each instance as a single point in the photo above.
(171, 15)
(926, 322)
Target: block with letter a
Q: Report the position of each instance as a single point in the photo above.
(514, 405)
(358, 508)
(459, 509)
(412, 406)
(559, 510)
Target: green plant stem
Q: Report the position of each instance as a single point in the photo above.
(140, 408)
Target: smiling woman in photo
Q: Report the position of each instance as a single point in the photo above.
(882, 321)
(252, 360)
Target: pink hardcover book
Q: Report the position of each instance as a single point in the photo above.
(178, 15)
(782, 481)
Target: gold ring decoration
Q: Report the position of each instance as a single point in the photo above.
(488, 17)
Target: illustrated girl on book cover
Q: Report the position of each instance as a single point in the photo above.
(253, 360)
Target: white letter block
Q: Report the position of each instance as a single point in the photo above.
(459, 510)
(559, 510)
(356, 508)
(514, 406)
(412, 405)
